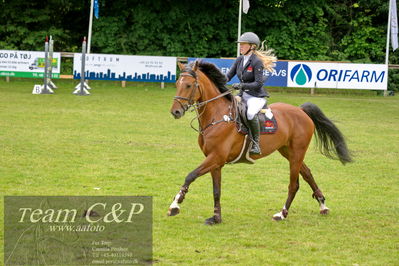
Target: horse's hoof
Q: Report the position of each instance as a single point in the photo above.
(324, 211)
(173, 211)
(280, 216)
(213, 220)
(277, 218)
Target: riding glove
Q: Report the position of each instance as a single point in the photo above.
(237, 86)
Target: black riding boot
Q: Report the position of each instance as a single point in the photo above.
(255, 131)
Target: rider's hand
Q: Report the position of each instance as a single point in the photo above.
(236, 86)
(238, 98)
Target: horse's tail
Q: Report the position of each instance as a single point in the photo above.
(329, 138)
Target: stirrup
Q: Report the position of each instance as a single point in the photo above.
(255, 149)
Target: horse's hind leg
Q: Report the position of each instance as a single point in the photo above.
(317, 194)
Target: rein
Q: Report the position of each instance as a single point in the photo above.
(198, 105)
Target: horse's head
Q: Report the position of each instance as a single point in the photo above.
(187, 92)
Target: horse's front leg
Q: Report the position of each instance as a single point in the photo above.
(174, 208)
(216, 180)
(209, 164)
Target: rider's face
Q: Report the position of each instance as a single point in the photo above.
(244, 47)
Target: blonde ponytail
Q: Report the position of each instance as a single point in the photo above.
(267, 57)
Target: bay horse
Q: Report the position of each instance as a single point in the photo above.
(201, 86)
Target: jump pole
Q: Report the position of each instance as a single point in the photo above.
(82, 88)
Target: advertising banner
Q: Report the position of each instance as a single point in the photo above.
(277, 78)
(337, 75)
(27, 64)
(126, 67)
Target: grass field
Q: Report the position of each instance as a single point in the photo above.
(123, 141)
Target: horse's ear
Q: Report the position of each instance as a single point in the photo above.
(181, 66)
(196, 64)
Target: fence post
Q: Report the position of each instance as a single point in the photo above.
(313, 89)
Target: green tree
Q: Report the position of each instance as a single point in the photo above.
(345, 30)
(25, 24)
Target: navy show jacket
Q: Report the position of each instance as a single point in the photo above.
(250, 76)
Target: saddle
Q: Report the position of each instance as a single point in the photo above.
(267, 121)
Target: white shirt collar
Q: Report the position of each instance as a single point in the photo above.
(246, 58)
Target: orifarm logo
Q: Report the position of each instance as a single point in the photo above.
(301, 74)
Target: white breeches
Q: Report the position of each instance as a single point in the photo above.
(254, 104)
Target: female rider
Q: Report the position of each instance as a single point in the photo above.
(249, 69)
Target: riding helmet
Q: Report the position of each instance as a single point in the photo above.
(249, 37)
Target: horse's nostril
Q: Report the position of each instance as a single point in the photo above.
(176, 113)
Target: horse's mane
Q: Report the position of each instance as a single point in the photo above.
(214, 74)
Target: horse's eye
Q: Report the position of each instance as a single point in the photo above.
(188, 86)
